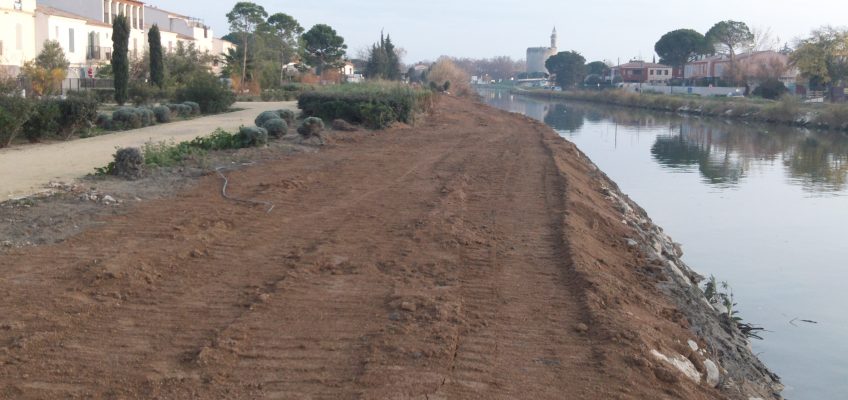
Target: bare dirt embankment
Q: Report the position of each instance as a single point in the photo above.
(477, 255)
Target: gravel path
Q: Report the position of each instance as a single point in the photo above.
(26, 169)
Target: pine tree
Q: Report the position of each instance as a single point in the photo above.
(157, 63)
(120, 58)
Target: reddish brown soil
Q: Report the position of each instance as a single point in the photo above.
(453, 260)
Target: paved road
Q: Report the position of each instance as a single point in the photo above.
(25, 170)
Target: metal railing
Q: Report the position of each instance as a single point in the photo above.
(99, 53)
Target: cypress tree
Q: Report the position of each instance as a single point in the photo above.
(157, 64)
(120, 58)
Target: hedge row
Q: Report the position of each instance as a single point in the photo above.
(374, 106)
(45, 118)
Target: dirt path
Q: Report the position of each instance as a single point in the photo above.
(26, 169)
(426, 263)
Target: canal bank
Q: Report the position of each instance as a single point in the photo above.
(761, 206)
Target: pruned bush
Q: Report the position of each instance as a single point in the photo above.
(208, 92)
(44, 120)
(129, 163)
(311, 127)
(287, 115)
(104, 121)
(195, 108)
(253, 135)
(342, 125)
(375, 106)
(265, 116)
(147, 116)
(126, 118)
(276, 127)
(162, 113)
(14, 113)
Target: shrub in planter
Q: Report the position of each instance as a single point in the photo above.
(276, 127)
(311, 127)
(195, 108)
(265, 116)
(208, 92)
(44, 120)
(77, 112)
(162, 114)
(253, 136)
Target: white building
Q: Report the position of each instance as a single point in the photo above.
(17, 34)
(84, 27)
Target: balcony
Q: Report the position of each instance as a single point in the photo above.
(98, 53)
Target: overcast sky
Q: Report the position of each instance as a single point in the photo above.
(599, 29)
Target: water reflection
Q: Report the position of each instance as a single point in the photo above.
(724, 153)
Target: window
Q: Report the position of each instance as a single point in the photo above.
(71, 47)
(19, 5)
(652, 72)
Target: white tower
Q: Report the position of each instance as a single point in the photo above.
(554, 39)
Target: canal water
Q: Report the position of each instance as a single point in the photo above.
(762, 207)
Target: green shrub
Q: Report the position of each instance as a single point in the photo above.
(208, 92)
(140, 93)
(253, 136)
(276, 127)
(129, 163)
(14, 113)
(162, 114)
(771, 88)
(77, 112)
(104, 121)
(195, 108)
(287, 115)
(44, 120)
(265, 116)
(311, 127)
(373, 105)
(147, 116)
(126, 118)
(218, 140)
(377, 116)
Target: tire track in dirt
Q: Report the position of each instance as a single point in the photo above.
(426, 262)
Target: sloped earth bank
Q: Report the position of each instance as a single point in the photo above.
(477, 255)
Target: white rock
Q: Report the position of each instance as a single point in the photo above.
(632, 243)
(108, 199)
(713, 374)
(681, 363)
(692, 345)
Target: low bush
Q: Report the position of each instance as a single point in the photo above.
(373, 105)
(287, 115)
(78, 111)
(266, 116)
(311, 127)
(276, 127)
(126, 118)
(162, 114)
(104, 121)
(129, 163)
(771, 88)
(44, 120)
(195, 108)
(141, 93)
(253, 136)
(14, 113)
(208, 92)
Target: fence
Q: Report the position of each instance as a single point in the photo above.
(87, 84)
(695, 90)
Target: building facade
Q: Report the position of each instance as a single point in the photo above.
(750, 67)
(84, 27)
(642, 72)
(536, 56)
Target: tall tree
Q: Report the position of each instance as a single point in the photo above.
(286, 32)
(157, 62)
(596, 68)
(323, 47)
(244, 18)
(823, 57)
(48, 70)
(383, 61)
(678, 47)
(569, 67)
(729, 36)
(120, 59)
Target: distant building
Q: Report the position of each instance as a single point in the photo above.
(17, 34)
(536, 56)
(642, 72)
(753, 66)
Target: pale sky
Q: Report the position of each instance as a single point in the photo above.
(598, 29)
